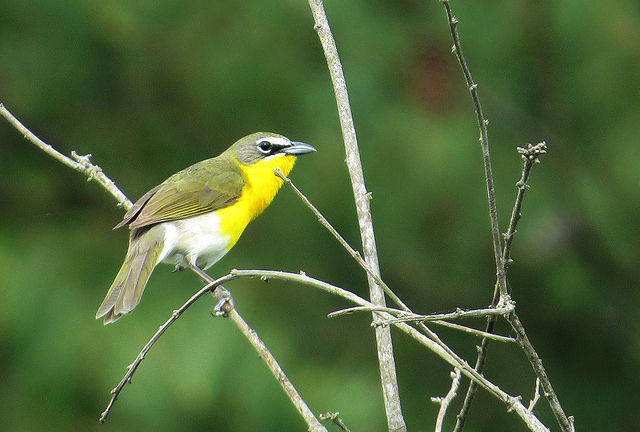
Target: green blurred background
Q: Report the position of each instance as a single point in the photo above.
(149, 87)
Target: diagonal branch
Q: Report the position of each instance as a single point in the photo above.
(312, 422)
(81, 164)
(530, 156)
(131, 369)
(354, 253)
(566, 423)
(408, 317)
(386, 360)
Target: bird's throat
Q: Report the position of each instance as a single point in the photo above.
(261, 185)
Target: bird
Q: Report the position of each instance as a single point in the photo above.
(194, 217)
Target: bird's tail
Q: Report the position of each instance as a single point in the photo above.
(128, 286)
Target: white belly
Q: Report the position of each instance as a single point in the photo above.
(195, 240)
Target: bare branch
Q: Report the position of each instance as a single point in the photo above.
(445, 353)
(350, 310)
(513, 403)
(312, 422)
(435, 345)
(131, 369)
(536, 363)
(334, 417)
(445, 401)
(354, 253)
(475, 332)
(82, 164)
(472, 86)
(404, 316)
(386, 362)
(493, 213)
(536, 396)
(250, 334)
(530, 156)
(458, 314)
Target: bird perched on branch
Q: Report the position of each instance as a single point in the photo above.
(195, 216)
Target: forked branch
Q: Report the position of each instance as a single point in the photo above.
(501, 256)
(530, 156)
(446, 401)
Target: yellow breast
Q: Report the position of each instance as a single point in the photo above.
(259, 189)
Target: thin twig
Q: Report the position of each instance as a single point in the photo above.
(445, 401)
(472, 86)
(475, 332)
(324, 222)
(350, 310)
(334, 417)
(81, 164)
(458, 314)
(513, 403)
(473, 387)
(354, 253)
(536, 396)
(530, 156)
(302, 278)
(536, 363)
(250, 334)
(386, 361)
(312, 422)
(131, 369)
(403, 316)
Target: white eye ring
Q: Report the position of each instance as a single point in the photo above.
(264, 146)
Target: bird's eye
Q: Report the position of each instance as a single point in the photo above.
(265, 147)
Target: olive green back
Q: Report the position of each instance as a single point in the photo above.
(206, 186)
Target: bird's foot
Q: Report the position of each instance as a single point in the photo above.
(178, 268)
(224, 302)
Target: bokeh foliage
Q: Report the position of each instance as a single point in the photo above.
(149, 87)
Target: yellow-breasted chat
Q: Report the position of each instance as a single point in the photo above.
(195, 216)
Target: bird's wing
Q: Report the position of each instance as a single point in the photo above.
(204, 187)
(135, 209)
